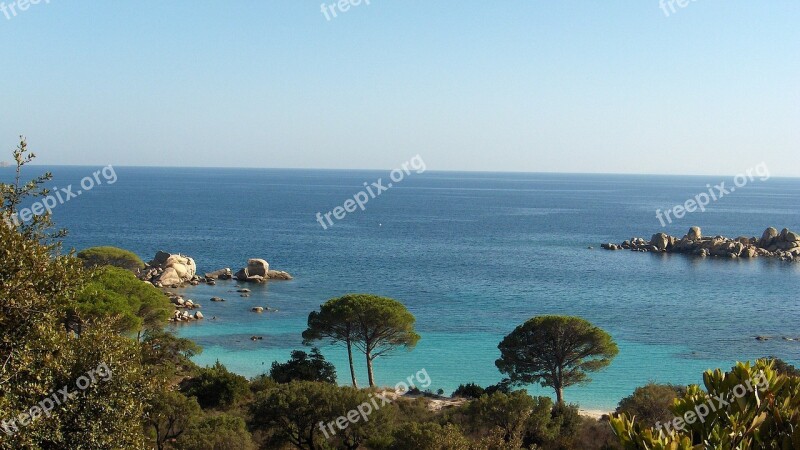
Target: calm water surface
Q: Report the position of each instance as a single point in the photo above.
(472, 255)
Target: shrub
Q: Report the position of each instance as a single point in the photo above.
(111, 256)
(783, 367)
(115, 292)
(219, 432)
(262, 383)
(503, 387)
(517, 415)
(758, 410)
(565, 423)
(651, 403)
(304, 413)
(216, 387)
(595, 435)
(469, 390)
(429, 436)
(304, 367)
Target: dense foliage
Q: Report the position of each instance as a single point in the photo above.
(469, 390)
(750, 407)
(217, 387)
(46, 397)
(304, 367)
(116, 295)
(555, 351)
(651, 403)
(111, 256)
(375, 325)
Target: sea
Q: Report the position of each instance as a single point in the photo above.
(472, 256)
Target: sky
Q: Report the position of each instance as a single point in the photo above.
(613, 86)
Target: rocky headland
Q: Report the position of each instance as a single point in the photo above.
(784, 245)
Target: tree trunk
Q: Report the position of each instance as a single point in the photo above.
(352, 367)
(369, 370)
(559, 384)
(559, 393)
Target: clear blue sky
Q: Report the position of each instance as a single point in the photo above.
(517, 85)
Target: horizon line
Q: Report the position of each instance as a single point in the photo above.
(389, 170)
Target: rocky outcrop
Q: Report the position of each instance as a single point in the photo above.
(182, 308)
(182, 303)
(222, 274)
(168, 269)
(258, 271)
(175, 270)
(184, 316)
(255, 272)
(278, 275)
(784, 245)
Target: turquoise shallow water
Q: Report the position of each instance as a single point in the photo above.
(471, 255)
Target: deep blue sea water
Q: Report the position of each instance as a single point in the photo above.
(472, 255)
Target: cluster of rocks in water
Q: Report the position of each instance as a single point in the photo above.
(182, 307)
(257, 271)
(176, 270)
(784, 245)
(785, 338)
(168, 270)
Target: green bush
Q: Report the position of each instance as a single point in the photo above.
(217, 387)
(429, 436)
(303, 414)
(517, 416)
(751, 407)
(111, 256)
(784, 368)
(304, 367)
(117, 293)
(469, 390)
(218, 432)
(651, 403)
